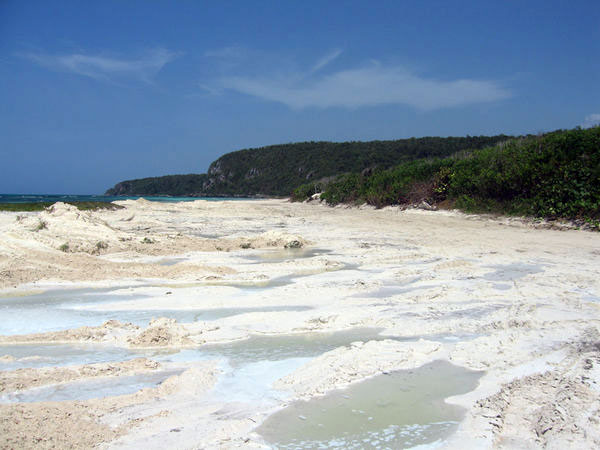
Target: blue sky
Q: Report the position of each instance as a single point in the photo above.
(93, 93)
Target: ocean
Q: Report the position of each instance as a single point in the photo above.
(35, 198)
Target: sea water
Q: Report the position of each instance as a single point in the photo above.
(52, 198)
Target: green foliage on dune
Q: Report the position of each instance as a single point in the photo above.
(555, 175)
(277, 170)
(40, 206)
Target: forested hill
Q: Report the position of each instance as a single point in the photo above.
(278, 169)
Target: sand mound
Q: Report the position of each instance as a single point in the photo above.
(111, 331)
(66, 228)
(51, 426)
(20, 379)
(162, 332)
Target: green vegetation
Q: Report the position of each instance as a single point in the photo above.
(64, 247)
(556, 175)
(169, 185)
(41, 225)
(40, 206)
(276, 170)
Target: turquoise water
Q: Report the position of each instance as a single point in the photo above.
(35, 198)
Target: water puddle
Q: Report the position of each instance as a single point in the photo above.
(283, 280)
(286, 346)
(51, 311)
(90, 388)
(391, 288)
(509, 272)
(171, 261)
(502, 286)
(61, 310)
(399, 410)
(281, 255)
(390, 291)
(252, 350)
(251, 383)
(44, 355)
(440, 337)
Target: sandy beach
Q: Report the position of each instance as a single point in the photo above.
(193, 324)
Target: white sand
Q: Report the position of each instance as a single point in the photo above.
(498, 295)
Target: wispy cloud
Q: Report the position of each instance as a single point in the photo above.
(325, 60)
(106, 68)
(370, 85)
(590, 121)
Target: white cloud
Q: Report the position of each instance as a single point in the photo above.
(591, 121)
(366, 86)
(107, 68)
(325, 60)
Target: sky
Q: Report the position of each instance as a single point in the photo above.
(93, 93)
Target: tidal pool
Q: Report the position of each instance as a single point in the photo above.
(400, 410)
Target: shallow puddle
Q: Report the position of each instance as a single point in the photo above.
(251, 383)
(281, 255)
(283, 280)
(90, 388)
(52, 310)
(44, 355)
(510, 272)
(171, 261)
(391, 291)
(403, 409)
(286, 346)
(252, 350)
(66, 309)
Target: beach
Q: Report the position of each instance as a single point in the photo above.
(196, 324)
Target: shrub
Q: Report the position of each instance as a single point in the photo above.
(556, 175)
(41, 225)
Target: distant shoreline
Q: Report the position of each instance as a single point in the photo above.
(71, 198)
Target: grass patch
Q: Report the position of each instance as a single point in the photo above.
(40, 206)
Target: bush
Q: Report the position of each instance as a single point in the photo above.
(305, 191)
(556, 175)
